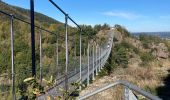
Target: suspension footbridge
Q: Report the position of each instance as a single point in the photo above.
(66, 68)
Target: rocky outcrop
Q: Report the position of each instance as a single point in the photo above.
(160, 50)
(135, 42)
(118, 37)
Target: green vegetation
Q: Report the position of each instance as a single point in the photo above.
(122, 30)
(32, 87)
(118, 58)
(146, 57)
(22, 45)
(119, 55)
(72, 93)
(148, 39)
(167, 43)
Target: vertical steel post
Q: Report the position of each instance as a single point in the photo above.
(96, 62)
(126, 93)
(12, 59)
(40, 56)
(88, 60)
(93, 62)
(32, 37)
(66, 44)
(99, 58)
(80, 58)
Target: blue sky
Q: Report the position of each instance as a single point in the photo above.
(135, 15)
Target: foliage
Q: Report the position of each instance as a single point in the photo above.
(118, 57)
(32, 87)
(146, 57)
(167, 43)
(71, 94)
(122, 30)
(148, 39)
(22, 45)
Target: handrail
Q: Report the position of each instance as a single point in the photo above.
(98, 59)
(64, 13)
(39, 27)
(124, 83)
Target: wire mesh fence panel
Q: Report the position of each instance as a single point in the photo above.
(22, 58)
(63, 54)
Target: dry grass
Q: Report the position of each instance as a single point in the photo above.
(147, 78)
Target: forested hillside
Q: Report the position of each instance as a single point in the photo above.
(22, 46)
(143, 61)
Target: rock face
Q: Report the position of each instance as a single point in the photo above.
(135, 42)
(160, 50)
(117, 37)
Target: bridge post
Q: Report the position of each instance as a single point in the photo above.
(126, 93)
(88, 60)
(32, 37)
(96, 61)
(93, 63)
(40, 35)
(12, 59)
(99, 60)
(80, 58)
(66, 44)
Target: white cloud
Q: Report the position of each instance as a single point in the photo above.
(125, 15)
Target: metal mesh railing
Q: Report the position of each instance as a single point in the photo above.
(67, 55)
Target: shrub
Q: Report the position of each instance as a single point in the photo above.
(120, 57)
(148, 39)
(122, 30)
(146, 58)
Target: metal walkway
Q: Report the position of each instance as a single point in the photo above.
(84, 66)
